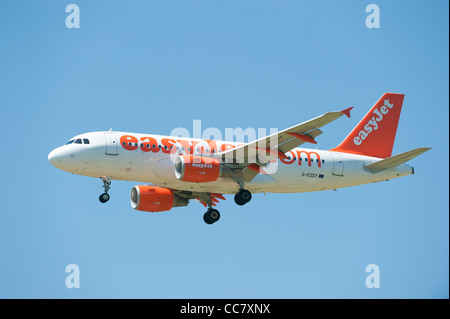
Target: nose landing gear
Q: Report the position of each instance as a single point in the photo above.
(106, 185)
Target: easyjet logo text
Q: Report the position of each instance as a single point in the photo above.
(302, 157)
(172, 146)
(372, 124)
(179, 147)
(202, 165)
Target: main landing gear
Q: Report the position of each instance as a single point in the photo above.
(242, 197)
(106, 185)
(212, 215)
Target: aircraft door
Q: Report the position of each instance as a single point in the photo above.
(338, 164)
(111, 144)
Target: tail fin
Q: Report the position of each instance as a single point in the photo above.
(375, 134)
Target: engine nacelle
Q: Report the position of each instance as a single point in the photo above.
(155, 199)
(197, 169)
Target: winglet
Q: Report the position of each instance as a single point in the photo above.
(347, 111)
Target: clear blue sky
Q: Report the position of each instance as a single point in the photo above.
(151, 66)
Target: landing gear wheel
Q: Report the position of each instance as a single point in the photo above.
(104, 197)
(106, 185)
(211, 216)
(243, 197)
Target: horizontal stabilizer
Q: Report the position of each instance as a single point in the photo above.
(396, 160)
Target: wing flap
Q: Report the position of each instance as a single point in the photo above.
(296, 142)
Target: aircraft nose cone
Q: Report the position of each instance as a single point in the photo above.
(56, 156)
(51, 156)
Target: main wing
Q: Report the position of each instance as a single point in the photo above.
(264, 149)
(258, 153)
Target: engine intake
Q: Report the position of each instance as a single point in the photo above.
(155, 199)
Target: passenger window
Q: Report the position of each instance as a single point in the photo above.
(85, 141)
(78, 141)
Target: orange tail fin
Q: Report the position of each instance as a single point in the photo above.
(375, 134)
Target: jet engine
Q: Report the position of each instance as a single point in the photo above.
(155, 199)
(197, 169)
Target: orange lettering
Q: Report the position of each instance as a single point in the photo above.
(193, 147)
(224, 147)
(168, 145)
(212, 146)
(149, 144)
(287, 160)
(128, 142)
(185, 145)
(299, 154)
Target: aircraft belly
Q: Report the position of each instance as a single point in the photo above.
(222, 186)
(286, 178)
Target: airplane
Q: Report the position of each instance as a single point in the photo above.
(176, 170)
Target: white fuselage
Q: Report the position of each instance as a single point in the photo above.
(305, 170)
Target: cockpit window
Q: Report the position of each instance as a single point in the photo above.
(78, 141)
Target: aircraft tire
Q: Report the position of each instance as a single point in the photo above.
(104, 197)
(242, 197)
(211, 216)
